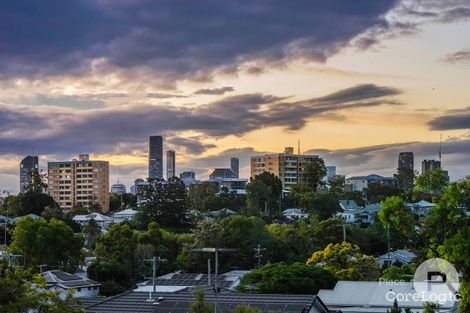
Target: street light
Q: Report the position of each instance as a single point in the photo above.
(216, 252)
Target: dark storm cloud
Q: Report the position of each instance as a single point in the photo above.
(461, 56)
(448, 122)
(215, 91)
(175, 39)
(109, 129)
(192, 146)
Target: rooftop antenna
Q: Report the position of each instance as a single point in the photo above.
(298, 146)
(32, 150)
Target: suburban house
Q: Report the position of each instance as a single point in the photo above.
(125, 215)
(63, 282)
(294, 214)
(377, 297)
(396, 257)
(102, 220)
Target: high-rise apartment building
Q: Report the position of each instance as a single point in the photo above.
(170, 164)
(289, 167)
(406, 160)
(235, 167)
(79, 182)
(429, 165)
(28, 166)
(155, 150)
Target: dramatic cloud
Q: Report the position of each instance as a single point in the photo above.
(108, 129)
(462, 56)
(448, 122)
(174, 39)
(215, 91)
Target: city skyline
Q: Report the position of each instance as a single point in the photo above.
(391, 76)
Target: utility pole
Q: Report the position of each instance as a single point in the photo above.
(216, 270)
(388, 240)
(209, 272)
(155, 262)
(258, 254)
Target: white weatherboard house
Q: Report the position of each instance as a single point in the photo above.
(63, 282)
(100, 219)
(294, 213)
(376, 297)
(125, 215)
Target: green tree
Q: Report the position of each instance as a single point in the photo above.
(52, 243)
(347, 262)
(200, 305)
(91, 231)
(263, 192)
(323, 205)
(314, 173)
(53, 212)
(404, 272)
(337, 184)
(377, 192)
(21, 291)
(295, 278)
(395, 214)
(448, 216)
(198, 193)
(432, 182)
(405, 178)
(395, 308)
(431, 308)
(167, 202)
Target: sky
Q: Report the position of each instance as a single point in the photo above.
(355, 81)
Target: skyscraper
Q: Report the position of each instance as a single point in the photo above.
(170, 164)
(28, 165)
(155, 157)
(406, 160)
(235, 166)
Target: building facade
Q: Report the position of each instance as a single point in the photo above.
(360, 183)
(170, 164)
(289, 167)
(118, 188)
(235, 166)
(79, 182)
(406, 161)
(28, 165)
(155, 150)
(430, 165)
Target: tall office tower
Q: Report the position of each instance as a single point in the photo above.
(170, 164)
(406, 160)
(79, 182)
(28, 165)
(235, 167)
(429, 165)
(155, 157)
(289, 167)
